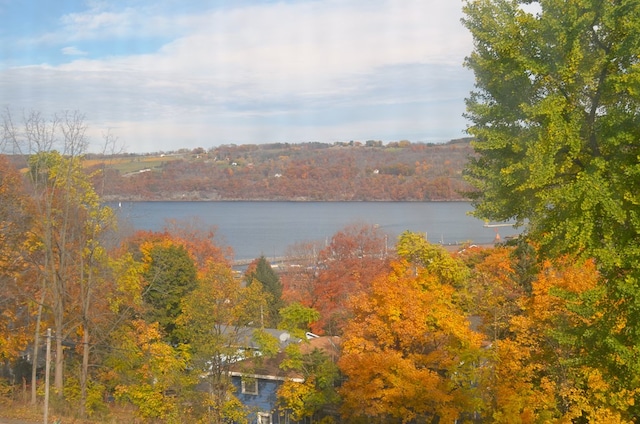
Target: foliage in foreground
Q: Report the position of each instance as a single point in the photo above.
(546, 331)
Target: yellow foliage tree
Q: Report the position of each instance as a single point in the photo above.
(409, 353)
(14, 222)
(539, 373)
(150, 372)
(493, 288)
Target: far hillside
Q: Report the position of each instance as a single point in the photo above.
(397, 171)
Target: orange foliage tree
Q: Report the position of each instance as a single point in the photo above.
(542, 371)
(408, 353)
(345, 267)
(15, 220)
(494, 288)
(299, 279)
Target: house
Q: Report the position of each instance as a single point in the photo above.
(257, 389)
(257, 380)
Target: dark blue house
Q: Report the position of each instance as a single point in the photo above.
(257, 390)
(257, 379)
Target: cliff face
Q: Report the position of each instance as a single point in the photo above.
(305, 172)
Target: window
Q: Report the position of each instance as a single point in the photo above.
(250, 386)
(264, 418)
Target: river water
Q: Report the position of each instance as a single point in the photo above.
(252, 229)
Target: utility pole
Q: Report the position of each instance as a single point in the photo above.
(46, 377)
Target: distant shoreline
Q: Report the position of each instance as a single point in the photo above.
(109, 199)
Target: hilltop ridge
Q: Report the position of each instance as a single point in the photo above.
(370, 171)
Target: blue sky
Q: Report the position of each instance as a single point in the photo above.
(167, 74)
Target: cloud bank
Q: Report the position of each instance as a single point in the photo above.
(162, 76)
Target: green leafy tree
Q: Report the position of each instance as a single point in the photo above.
(262, 271)
(555, 117)
(318, 392)
(171, 275)
(555, 120)
(297, 318)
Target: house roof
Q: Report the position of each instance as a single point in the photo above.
(265, 369)
(328, 344)
(243, 336)
(269, 368)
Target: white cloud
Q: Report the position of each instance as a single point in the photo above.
(305, 47)
(103, 20)
(72, 51)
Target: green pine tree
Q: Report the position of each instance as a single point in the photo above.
(262, 272)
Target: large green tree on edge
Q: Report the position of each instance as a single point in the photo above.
(556, 117)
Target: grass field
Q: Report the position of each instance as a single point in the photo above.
(126, 165)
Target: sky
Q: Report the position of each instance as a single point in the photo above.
(161, 75)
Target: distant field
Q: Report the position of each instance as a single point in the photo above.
(133, 164)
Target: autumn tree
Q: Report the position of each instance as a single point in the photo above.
(539, 372)
(261, 271)
(70, 220)
(147, 372)
(200, 240)
(554, 114)
(494, 289)
(316, 396)
(343, 268)
(194, 310)
(171, 260)
(408, 353)
(65, 242)
(143, 367)
(215, 322)
(68, 247)
(298, 279)
(170, 274)
(15, 222)
(94, 278)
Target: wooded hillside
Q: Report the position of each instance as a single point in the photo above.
(398, 171)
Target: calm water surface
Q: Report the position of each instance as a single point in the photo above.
(268, 228)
